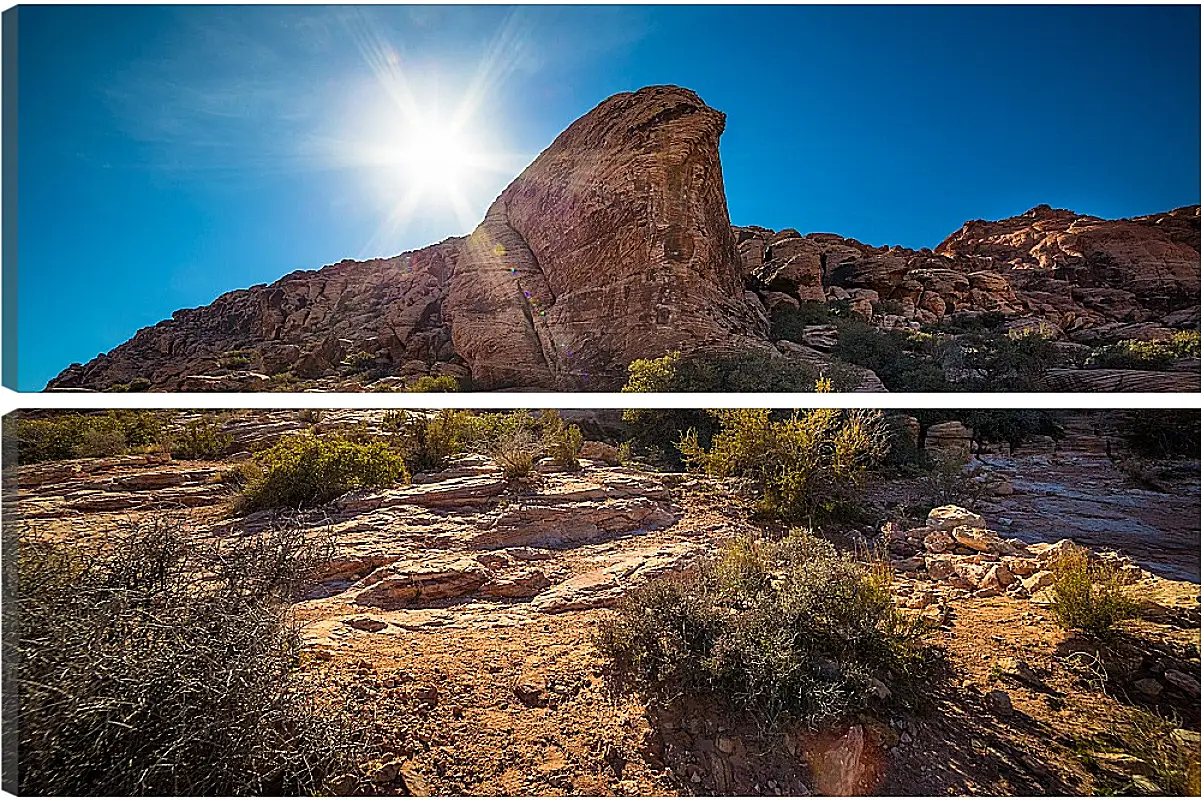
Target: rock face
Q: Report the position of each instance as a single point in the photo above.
(616, 244)
(1149, 262)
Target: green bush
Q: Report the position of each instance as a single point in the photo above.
(747, 371)
(428, 383)
(516, 454)
(787, 631)
(201, 440)
(101, 442)
(1011, 362)
(1157, 355)
(302, 471)
(1010, 425)
(790, 323)
(135, 678)
(58, 436)
(808, 467)
(426, 442)
(1087, 595)
(237, 359)
(656, 432)
(562, 441)
(904, 361)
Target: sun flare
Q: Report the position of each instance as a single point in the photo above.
(426, 150)
(434, 157)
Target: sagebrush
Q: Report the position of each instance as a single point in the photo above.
(1088, 596)
(791, 630)
(808, 467)
(162, 665)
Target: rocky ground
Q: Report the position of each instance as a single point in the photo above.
(458, 613)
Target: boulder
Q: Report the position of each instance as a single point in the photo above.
(949, 442)
(948, 518)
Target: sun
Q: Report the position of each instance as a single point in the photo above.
(425, 152)
(435, 157)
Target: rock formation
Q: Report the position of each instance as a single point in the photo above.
(616, 244)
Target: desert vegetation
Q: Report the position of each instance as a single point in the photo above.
(444, 601)
(161, 665)
(789, 630)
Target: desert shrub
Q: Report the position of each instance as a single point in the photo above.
(302, 471)
(656, 431)
(516, 454)
(426, 442)
(1087, 595)
(96, 441)
(904, 361)
(808, 467)
(1174, 766)
(903, 450)
(428, 383)
(236, 359)
(1010, 425)
(360, 362)
(75, 435)
(141, 428)
(1009, 362)
(562, 441)
(1156, 355)
(947, 483)
(136, 678)
(242, 474)
(788, 631)
(745, 371)
(790, 323)
(1164, 433)
(200, 440)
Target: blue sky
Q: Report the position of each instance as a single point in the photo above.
(170, 154)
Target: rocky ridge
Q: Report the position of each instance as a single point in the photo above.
(616, 244)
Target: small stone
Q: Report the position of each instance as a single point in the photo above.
(999, 703)
(939, 542)
(1149, 686)
(384, 772)
(1039, 581)
(976, 538)
(368, 624)
(878, 689)
(1185, 683)
(939, 569)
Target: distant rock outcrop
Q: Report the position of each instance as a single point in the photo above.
(616, 244)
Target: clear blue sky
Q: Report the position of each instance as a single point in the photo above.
(170, 154)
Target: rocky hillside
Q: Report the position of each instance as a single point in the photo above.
(616, 244)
